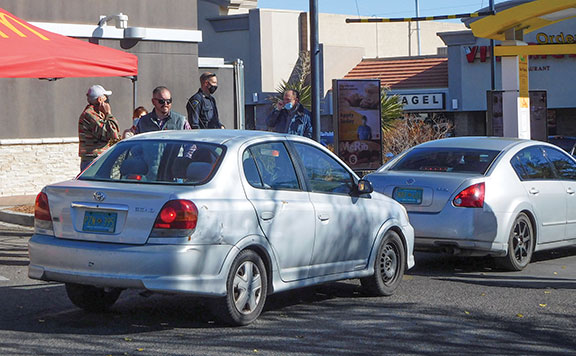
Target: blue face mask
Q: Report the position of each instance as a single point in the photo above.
(288, 105)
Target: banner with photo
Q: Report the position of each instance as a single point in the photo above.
(358, 128)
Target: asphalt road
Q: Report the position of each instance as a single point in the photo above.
(445, 305)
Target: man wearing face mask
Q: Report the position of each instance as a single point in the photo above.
(289, 116)
(201, 107)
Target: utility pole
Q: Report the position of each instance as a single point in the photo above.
(418, 26)
(492, 57)
(315, 69)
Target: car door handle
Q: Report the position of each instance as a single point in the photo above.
(534, 191)
(267, 215)
(324, 217)
(570, 191)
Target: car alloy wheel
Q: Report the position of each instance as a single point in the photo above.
(520, 244)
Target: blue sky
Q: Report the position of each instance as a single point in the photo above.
(382, 8)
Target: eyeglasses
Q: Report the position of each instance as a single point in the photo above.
(163, 101)
(107, 100)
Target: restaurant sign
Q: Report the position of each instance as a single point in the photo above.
(419, 102)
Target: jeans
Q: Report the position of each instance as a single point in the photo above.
(84, 163)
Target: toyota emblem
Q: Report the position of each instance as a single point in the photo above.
(99, 196)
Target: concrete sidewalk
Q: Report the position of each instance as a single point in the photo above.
(14, 217)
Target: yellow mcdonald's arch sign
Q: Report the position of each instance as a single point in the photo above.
(8, 20)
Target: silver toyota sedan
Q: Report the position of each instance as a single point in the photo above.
(485, 196)
(226, 214)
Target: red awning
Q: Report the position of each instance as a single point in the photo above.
(27, 51)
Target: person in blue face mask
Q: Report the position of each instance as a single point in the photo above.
(289, 116)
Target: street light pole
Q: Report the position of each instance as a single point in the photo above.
(315, 69)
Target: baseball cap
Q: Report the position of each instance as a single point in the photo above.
(97, 91)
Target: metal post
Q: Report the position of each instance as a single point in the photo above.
(134, 79)
(418, 27)
(239, 93)
(315, 69)
(492, 57)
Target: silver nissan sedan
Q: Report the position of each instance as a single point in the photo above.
(226, 214)
(485, 196)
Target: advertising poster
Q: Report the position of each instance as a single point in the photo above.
(358, 126)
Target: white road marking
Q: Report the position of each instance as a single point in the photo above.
(2, 278)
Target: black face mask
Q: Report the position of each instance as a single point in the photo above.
(212, 89)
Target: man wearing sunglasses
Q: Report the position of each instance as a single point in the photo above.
(97, 127)
(201, 107)
(162, 117)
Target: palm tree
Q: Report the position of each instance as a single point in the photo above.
(299, 80)
(391, 109)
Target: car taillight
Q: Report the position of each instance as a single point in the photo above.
(177, 215)
(42, 208)
(42, 218)
(471, 197)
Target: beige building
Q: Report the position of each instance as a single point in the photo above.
(39, 142)
(269, 43)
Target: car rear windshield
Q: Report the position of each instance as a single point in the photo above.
(457, 160)
(148, 161)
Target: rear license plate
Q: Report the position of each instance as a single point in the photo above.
(408, 195)
(97, 221)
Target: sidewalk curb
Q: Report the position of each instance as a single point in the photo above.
(13, 217)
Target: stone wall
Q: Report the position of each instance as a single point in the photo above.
(27, 165)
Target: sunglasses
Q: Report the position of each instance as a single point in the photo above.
(107, 100)
(164, 101)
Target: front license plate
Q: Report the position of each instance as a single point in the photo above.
(408, 195)
(97, 221)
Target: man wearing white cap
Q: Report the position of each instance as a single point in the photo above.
(97, 128)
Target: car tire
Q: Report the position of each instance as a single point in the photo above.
(90, 298)
(246, 290)
(520, 244)
(389, 266)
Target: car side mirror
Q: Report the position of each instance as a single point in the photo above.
(364, 187)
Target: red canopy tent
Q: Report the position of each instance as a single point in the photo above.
(27, 51)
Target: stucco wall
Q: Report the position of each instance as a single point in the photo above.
(383, 39)
(270, 40)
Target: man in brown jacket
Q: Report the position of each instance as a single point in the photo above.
(97, 128)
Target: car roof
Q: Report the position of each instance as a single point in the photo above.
(476, 142)
(216, 136)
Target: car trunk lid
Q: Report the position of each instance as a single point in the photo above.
(422, 192)
(105, 212)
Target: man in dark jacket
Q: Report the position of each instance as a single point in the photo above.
(201, 107)
(289, 116)
(162, 117)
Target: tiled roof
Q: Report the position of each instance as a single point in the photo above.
(409, 73)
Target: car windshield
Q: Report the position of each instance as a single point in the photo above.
(456, 160)
(158, 161)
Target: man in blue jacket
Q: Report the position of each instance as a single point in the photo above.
(289, 116)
